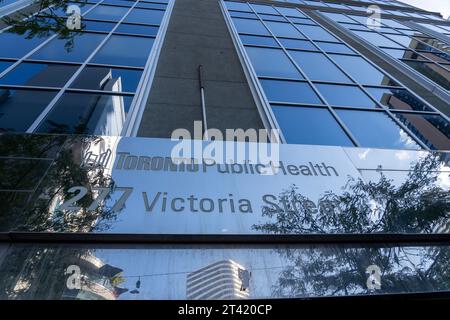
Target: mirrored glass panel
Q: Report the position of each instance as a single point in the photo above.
(376, 129)
(280, 65)
(290, 91)
(39, 74)
(250, 26)
(137, 29)
(102, 12)
(396, 98)
(19, 108)
(258, 40)
(108, 79)
(116, 51)
(345, 96)
(145, 16)
(310, 126)
(87, 113)
(16, 45)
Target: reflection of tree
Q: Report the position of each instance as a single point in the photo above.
(418, 205)
(46, 23)
(40, 210)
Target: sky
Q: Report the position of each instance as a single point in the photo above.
(442, 6)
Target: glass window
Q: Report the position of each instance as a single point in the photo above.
(290, 91)
(404, 40)
(259, 40)
(20, 108)
(345, 96)
(310, 126)
(272, 63)
(377, 39)
(4, 65)
(76, 49)
(109, 79)
(250, 26)
(118, 2)
(290, 12)
(151, 5)
(376, 130)
(107, 13)
(83, 113)
(97, 26)
(432, 71)
(264, 9)
(318, 67)
(239, 6)
(281, 29)
(39, 74)
(116, 51)
(361, 70)
(238, 14)
(297, 44)
(334, 47)
(145, 16)
(137, 29)
(271, 17)
(433, 130)
(317, 33)
(16, 46)
(398, 99)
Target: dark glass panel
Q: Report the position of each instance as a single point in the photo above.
(4, 65)
(297, 44)
(16, 46)
(39, 74)
(310, 126)
(290, 91)
(376, 130)
(250, 26)
(258, 40)
(239, 6)
(77, 49)
(145, 16)
(270, 62)
(345, 96)
(317, 33)
(334, 47)
(137, 29)
(108, 79)
(83, 113)
(281, 29)
(97, 26)
(116, 51)
(20, 108)
(107, 13)
(318, 67)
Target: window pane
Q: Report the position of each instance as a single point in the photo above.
(87, 113)
(151, 5)
(317, 33)
(281, 29)
(258, 40)
(318, 67)
(334, 47)
(39, 74)
(107, 13)
(4, 65)
(298, 44)
(290, 91)
(290, 12)
(345, 96)
(145, 16)
(264, 9)
(272, 63)
(76, 50)
(19, 108)
(239, 6)
(250, 26)
(16, 46)
(117, 51)
(239, 14)
(97, 26)
(377, 39)
(432, 71)
(433, 130)
(119, 2)
(310, 126)
(361, 70)
(137, 29)
(110, 79)
(271, 17)
(397, 99)
(376, 130)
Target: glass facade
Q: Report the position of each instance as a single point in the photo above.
(353, 202)
(302, 66)
(73, 81)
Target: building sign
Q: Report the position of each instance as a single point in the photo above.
(134, 185)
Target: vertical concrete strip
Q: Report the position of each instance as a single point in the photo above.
(197, 35)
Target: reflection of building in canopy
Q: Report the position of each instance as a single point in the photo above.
(224, 279)
(98, 280)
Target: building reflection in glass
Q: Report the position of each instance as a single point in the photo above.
(163, 271)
